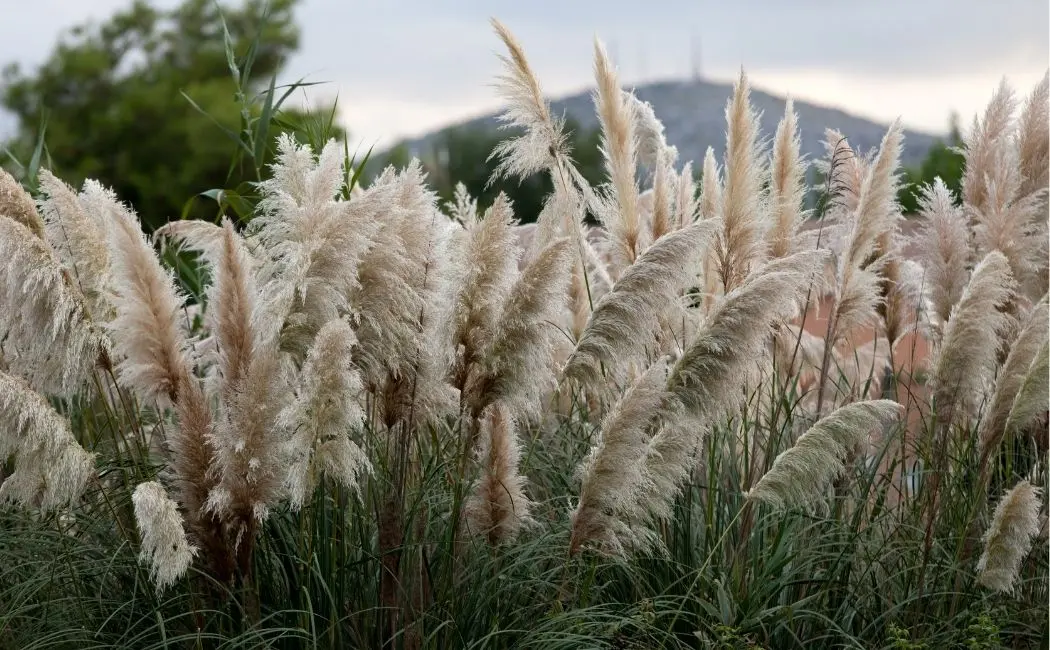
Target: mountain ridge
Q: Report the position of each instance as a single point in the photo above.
(693, 114)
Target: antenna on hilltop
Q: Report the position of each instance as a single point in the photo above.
(694, 55)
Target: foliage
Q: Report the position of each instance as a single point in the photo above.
(944, 161)
(150, 94)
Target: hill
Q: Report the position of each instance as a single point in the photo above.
(693, 113)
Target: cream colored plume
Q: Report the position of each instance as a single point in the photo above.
(310, 241)
(146, 327)
(740, 247)
(965, 362)
(316, 426)
(542, 146)
(787, 187)
(76, 228)
(1025, 353)
(1033, 139)
(802, 474)
(985, 145)
(498, 507)
(623, 328)
(15, 203)
(612, 475)
(51, 468)
(402, 307)
(1009, 537)
(48, 337)
(165, 547)
(487, 265)
(707, 381)
(619, 207)
(516, 367)
(943, 244)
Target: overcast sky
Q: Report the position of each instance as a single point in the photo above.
(403, 67)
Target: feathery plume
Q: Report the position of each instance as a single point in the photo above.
(625, 323)
(661, 221)
(516, 364)
(543, 144)
(843, 170)
(966, 361)
(705, 383)
(15, 203)
(402, 302)
(487, 272)
(164, 544)
(710, 208)
(740, 246)
(653, 149)
(857, 287)
(619, 208)
(611, 475)
(463, 208)
(706, 378)
(51, 468)
(801, 474)
(146, 325)
(1033, 139)
(251, 389)
(943, 243)
(1031, 400)
(787, 186)
(310, 242)
(983, 147)
(1024, 355)
(47, 336)
(710, 188)
(1009, 537)
(686, 206)
(498, 507)
(231, 309)
(316, 426)
(76, 228)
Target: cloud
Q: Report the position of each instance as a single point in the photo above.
(401, 67)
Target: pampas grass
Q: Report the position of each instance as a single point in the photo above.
(740, 246)
(802, 474)
(357, 412)
(1024, 353)
(966, 360)
(498, 507)
(164, 544)
(612, 474)
(625, 323)
(52, 468)
(619, 207)
(15, 203)
(787, 186)
(1009, 537)
(943, 242)
(49, 339)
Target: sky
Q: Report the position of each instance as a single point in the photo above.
(404, 67)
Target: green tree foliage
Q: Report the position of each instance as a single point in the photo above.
(943, 160)
(161, 104)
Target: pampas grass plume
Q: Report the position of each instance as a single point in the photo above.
(1009, 537)
(164, 544)
(801, 474)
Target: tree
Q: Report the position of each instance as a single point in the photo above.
(943, 160)
(160, 105)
